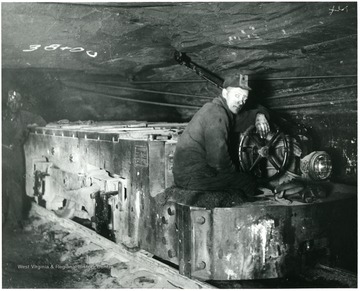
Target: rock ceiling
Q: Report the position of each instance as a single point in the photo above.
(47, 47)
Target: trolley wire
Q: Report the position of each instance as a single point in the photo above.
(313, 104)
(112, 96)
(311, 92)
(255, 79)
(154, 91)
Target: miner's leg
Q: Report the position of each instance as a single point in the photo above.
(224, 181)
(223, 190)
(14, 197)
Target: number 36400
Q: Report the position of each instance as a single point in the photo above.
(52, 47)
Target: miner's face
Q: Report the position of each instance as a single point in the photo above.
(235, 98)
(14, 101)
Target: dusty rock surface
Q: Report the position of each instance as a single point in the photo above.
(44, 255)
(51, 252)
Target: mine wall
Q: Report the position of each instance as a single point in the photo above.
(96, 65)
(325, 106)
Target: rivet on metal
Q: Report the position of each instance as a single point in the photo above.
(171, 211)
(220, 254)
(201, 265)
(171, 253)
(163, 220)
(200, 220)
(238, 223)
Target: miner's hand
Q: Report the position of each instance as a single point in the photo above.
(262, 125)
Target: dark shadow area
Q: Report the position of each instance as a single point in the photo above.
(261, 88)
(283, 283)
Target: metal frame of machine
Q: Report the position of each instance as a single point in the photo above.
(116, 175)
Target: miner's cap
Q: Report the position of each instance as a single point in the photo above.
(14, 95)
(238, 80)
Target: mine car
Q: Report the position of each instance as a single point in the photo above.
(118, 176)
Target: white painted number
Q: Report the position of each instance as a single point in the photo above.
(76, 49)
(333, 9)
(33, 47)
(52, 47)
(91, 54)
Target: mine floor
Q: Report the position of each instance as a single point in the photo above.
(50, 252)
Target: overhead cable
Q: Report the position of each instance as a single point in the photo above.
(154, 91)
(269, 98)
(311, 92)
(254, 79)
(305, 78)
(111, 96)
(313, 104)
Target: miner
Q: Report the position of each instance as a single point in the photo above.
(15, 124)
(204, 158)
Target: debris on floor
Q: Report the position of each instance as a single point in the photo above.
(52, 252)
(47, 254)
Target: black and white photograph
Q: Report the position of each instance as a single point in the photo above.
(179, 145)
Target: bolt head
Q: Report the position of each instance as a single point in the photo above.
(200, 220)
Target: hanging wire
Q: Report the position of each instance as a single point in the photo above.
(255, 79)
(154, 91)
(171, 81)
(207, 97)
(324, 103)
(111, 96)
(311, 92)
(304, 78)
